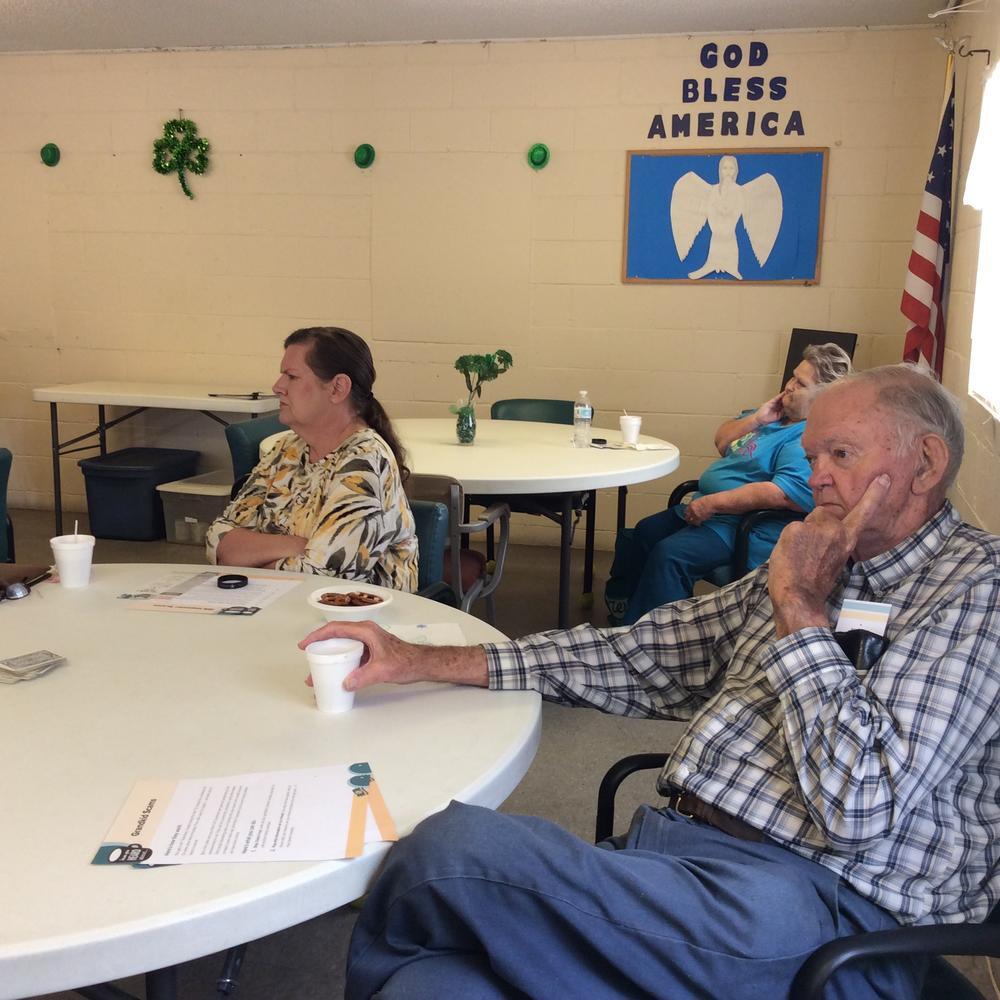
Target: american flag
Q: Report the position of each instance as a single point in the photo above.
(925, 274)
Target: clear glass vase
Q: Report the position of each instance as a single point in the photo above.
(465, 425)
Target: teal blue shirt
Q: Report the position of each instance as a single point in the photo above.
(771, 454)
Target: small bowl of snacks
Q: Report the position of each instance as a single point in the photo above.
(344, 601)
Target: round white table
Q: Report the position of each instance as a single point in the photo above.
(520, 457)
(149, 694)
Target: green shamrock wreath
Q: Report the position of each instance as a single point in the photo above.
(180, 149)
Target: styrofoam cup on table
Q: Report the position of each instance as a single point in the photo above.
(330, 661)
(630, 428)
(74, 555)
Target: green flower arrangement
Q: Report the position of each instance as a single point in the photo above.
(477, 369)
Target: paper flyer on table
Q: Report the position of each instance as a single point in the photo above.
(314, 814)
(433, 634)
(201, 594)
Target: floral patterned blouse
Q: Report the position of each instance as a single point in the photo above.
(350, 505)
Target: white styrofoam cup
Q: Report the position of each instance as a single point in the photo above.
(630, 428)
(330, 661)
(74, 555)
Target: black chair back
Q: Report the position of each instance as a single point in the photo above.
(542, 411)
(801, 339)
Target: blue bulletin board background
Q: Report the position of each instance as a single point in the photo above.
(650, 253)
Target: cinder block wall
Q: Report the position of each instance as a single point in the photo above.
(449, 244)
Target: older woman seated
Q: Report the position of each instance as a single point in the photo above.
(328, 497)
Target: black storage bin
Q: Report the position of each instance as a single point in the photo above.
(121, 490)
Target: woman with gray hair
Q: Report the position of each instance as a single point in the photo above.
(762, 465)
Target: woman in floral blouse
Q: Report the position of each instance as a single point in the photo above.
(328, 497)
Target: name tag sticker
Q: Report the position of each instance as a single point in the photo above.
(865, 615)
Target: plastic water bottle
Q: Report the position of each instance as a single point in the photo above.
(583, 415)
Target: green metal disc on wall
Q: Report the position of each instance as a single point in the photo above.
(50, 154)
(364, 155)
(538, 156)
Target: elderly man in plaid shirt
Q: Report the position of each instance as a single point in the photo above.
(813, 795)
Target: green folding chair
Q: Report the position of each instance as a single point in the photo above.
(6, 525)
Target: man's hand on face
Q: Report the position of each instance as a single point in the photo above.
(699, 510)
(809, 557)
(769, 412)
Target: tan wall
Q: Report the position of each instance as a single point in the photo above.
(976, 494)
(449, 244)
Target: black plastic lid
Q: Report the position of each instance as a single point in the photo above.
(140, 461)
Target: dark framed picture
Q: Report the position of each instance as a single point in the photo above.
(746, 216)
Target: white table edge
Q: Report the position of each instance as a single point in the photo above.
(161, 943)
(52, 964)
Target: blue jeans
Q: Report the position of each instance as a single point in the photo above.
(660, 560)
(481, 905)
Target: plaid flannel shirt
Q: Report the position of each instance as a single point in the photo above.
(891, 777)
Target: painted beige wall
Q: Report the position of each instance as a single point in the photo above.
(976, 493)
(449, 244)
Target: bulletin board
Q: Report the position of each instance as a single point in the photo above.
(747, 216)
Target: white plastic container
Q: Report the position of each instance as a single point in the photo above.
(191, 505)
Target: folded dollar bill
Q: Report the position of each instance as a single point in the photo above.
(28, 666)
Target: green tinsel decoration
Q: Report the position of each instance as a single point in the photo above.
(181, 149)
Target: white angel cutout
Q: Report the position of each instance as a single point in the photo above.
(695, 202)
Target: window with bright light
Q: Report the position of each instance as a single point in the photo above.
(982, 191)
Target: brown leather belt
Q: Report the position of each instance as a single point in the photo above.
(690, 805)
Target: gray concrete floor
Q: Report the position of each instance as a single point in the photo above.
(577, 747)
